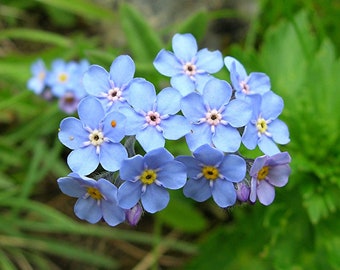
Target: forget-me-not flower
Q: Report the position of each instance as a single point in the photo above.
(214, 117)
(264, 129)
(148, 178)
(96, 199)
(246, 85)
(268, 172)
(153, 117)
(188, 68)
(94, 138)
(212, 173)
(37, 82)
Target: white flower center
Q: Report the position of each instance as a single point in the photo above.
(96, 137)
(189, 69)
(213, 117)
(245, 87)
(114, 94)
(153, 118)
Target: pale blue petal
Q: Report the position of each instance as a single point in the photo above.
(168, 101)
(199, 135)
(71, 187)
(172, 175)
(199, 190)
(208, 155)
(210, 61)
(112, 213)
(142, 95)
(91, 112)
(158, 158)
(183, 84)
(167, 63)
(72, 134)
(134, 120)
(88, 209)
(249, 137)
(268, 146)
(279, 131)
(259, 83)
(279, 159)
(132, 168)
(226, 138)
(278, 175)
(122, 70)
(253, 191)
(184, 46)
(233, 168)
(200, 81)
(271, 106)
(265, 193)
(96, 81)
(108, 189)
(155, 198)
(193, 113)
(237, 113)
(258, 165)
(114, 126)
(238, 68)
(175, 127)
(150, 138)
(192, 165)
(129, 194)
(216, 93)
(83, 160)
(111, 156)
(223, 193)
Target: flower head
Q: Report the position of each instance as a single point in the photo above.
(153, 118)
(264, 129)
(214, 117)
(94, 138)
(96, 199)
(188, 68)
(244, 84)
(211, 173)
(38, 81)
(266, 173)
(147, 178)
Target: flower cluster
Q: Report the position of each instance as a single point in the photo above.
(62, 82)
(214, 116)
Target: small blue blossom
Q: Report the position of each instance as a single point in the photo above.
(188, 68)
(96, 199)
(268, 172)
(148, 178)
(153, 118)
(94, 138)
(244, 84)
(111, 88)
(264, 129)
(214, 117)
(211, 173)
(37, 82)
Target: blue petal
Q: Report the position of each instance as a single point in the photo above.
(223, 193)
(279, 131)
(183, 84)
(129, 194)
(72, 134)
(216, 93)
(158, 158)
(257, 165)
(258, 83)
(96, 81)
(142, 95)
(71, 187)
(88, 209)
(271, 106)
(193, 113)
(200, 81)
(172, 175)
(134, 120)
(168, 101)
(278, 175)
(112, 213)
(237, 113)
(167, 63)
(108, 189)
(233, 168)
(150, 138)
(209, 61)
(111, 156)
(91, 112)
(155, 198)
(208, 155)
(114, 126)
(238, 67)
(122, 70)
(132, 167)
(226, 138)
(268, 146)
(199, 190)
(199, 135)
(249, 137)
(192, 165)
(83, 160)
(184, 46)
(175, 127)
(265, 193)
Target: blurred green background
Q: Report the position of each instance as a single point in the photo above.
(296, 42)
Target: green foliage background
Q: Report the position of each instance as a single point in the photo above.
(297, 43)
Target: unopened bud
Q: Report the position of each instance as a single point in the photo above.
(133, 215)
(242, 191)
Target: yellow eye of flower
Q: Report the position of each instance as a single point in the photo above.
(261, 125)
(94, 193)
(262, 174)
(148, 177)
(62, 77)
(210, 172)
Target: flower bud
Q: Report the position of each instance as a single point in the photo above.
(133, 215)
(242, 191)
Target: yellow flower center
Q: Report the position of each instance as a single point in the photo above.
(62, 77)
(148, 177)
(261, 125)
(210, 172)
(94, 193)
(262, 174)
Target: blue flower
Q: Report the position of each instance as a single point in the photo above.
(96, 199)
(37, 82)
(153, 118)
(266, 174)
(211, 173)
(214, 117)
(188, 68)
(244, 84)
(147, 179)
(94, 138)
(62, 77)
(111, 88)
(264, 129)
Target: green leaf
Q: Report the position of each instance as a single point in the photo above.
(196, 24)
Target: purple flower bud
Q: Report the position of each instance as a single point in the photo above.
(133, 215)
(242, 191)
